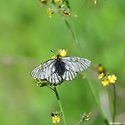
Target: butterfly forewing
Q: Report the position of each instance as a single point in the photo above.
(77, 64)
(44, 70)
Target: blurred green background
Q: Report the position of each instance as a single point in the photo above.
(27, 35)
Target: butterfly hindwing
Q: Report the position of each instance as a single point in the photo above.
(69, 75)
(54, 78)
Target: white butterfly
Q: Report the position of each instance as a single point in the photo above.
(61, 68)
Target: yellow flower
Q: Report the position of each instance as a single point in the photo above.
(112, 78)
(48, 12)
(56, 119)
(105, 81)
(95, 2)
(100, 75)
(55, 56)
(52, 108)
(61, 53)
(56, 0)
(43, 0)
(100, 68)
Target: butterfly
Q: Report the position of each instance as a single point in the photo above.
(60, 68)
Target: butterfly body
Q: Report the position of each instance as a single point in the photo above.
(61, 68)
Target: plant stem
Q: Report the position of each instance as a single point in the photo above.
(63, 17)
(68, 27)
(57, 96)
(75, 37)
(88, 79)
(97, 101)
(114, 102)
(80, 7)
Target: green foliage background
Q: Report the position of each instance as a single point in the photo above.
(27, 35)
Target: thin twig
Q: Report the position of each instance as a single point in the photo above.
(114, 102)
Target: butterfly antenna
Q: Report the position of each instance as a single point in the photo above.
(53, 52)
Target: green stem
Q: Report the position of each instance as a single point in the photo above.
(95, 97)
(63, 17)
(88, 79)
(75, 37)
(67, 2)
(114, 102)
(57, 96)
(80, 7)
(68, 27)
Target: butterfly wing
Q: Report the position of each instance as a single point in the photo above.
(44, 70)
(73, 65)
(47, 70)
(54, 78)
(69, 75)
